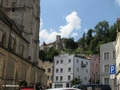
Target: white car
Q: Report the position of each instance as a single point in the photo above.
(63, 89)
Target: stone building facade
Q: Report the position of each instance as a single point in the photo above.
(58, 44)
(19, 43)
(48, 66)
(26, 15)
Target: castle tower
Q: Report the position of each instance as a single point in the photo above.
(26, 15)
(58, 42)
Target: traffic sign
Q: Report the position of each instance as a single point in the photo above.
(112, 69)
(112, 76)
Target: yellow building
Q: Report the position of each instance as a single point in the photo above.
(48, 66)
(117, 49)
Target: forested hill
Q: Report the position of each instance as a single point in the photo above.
(89, 43)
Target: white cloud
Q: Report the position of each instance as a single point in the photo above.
(41, 23)
(74, 34)
(73, 23)
(118, 2)
(46, 36)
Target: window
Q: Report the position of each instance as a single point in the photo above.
(106, 68)
(69, 61)
(56, 78)
(61, 78)
(86, 71)
(21, 49)
(61, 70)
(81, 62)
(57, 62)
(49, 70)
(86, 63)
(68, 77)
(56, 70)
(1, 36)
(106, 56)
(12, 43)
(77, 61)
(94, 59)
(96, 73)
(114, 55)
(69, 69)
(85, 78)
(106, 80)
(78, 69)
(97, 65)
(51, 77)
(92, 64)
(48, 77)
(61, 61)
(92, 72)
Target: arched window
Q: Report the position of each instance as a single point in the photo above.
(1, 37)
(21, 51)
(11, 43)
(4, 39)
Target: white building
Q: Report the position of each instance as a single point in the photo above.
(107, 58)
(67, 67)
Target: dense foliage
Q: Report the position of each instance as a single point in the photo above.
(48, 55)
(75, 81)
(89, 43)
(102, 33)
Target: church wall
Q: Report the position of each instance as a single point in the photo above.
(14, 69)
(26, 15)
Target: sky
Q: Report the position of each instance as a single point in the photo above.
(72, 18)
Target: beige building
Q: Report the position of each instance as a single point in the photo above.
(19, 43)
(117, 48)
(48, 66)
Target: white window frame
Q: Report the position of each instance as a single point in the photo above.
(104, 55)
(104, 69)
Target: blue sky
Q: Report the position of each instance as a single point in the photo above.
(71, 18)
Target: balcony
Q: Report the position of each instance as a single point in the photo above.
(83, 65)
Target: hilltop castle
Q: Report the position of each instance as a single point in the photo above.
(58, 44)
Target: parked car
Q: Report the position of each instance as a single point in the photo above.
(92, 87)
(63, 89)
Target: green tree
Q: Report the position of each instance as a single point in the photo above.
(70, 44)
(42, 55)
(89, 37)
(49, 55)
(113, 32)
(102, 31)
(82, 42)
(75, 81)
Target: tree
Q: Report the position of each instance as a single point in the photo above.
(75, 81)
(42, 55)
(113, 32)
(49, 55)
(90, 80)
(89, 37)
(102, 30)
(70, 44)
